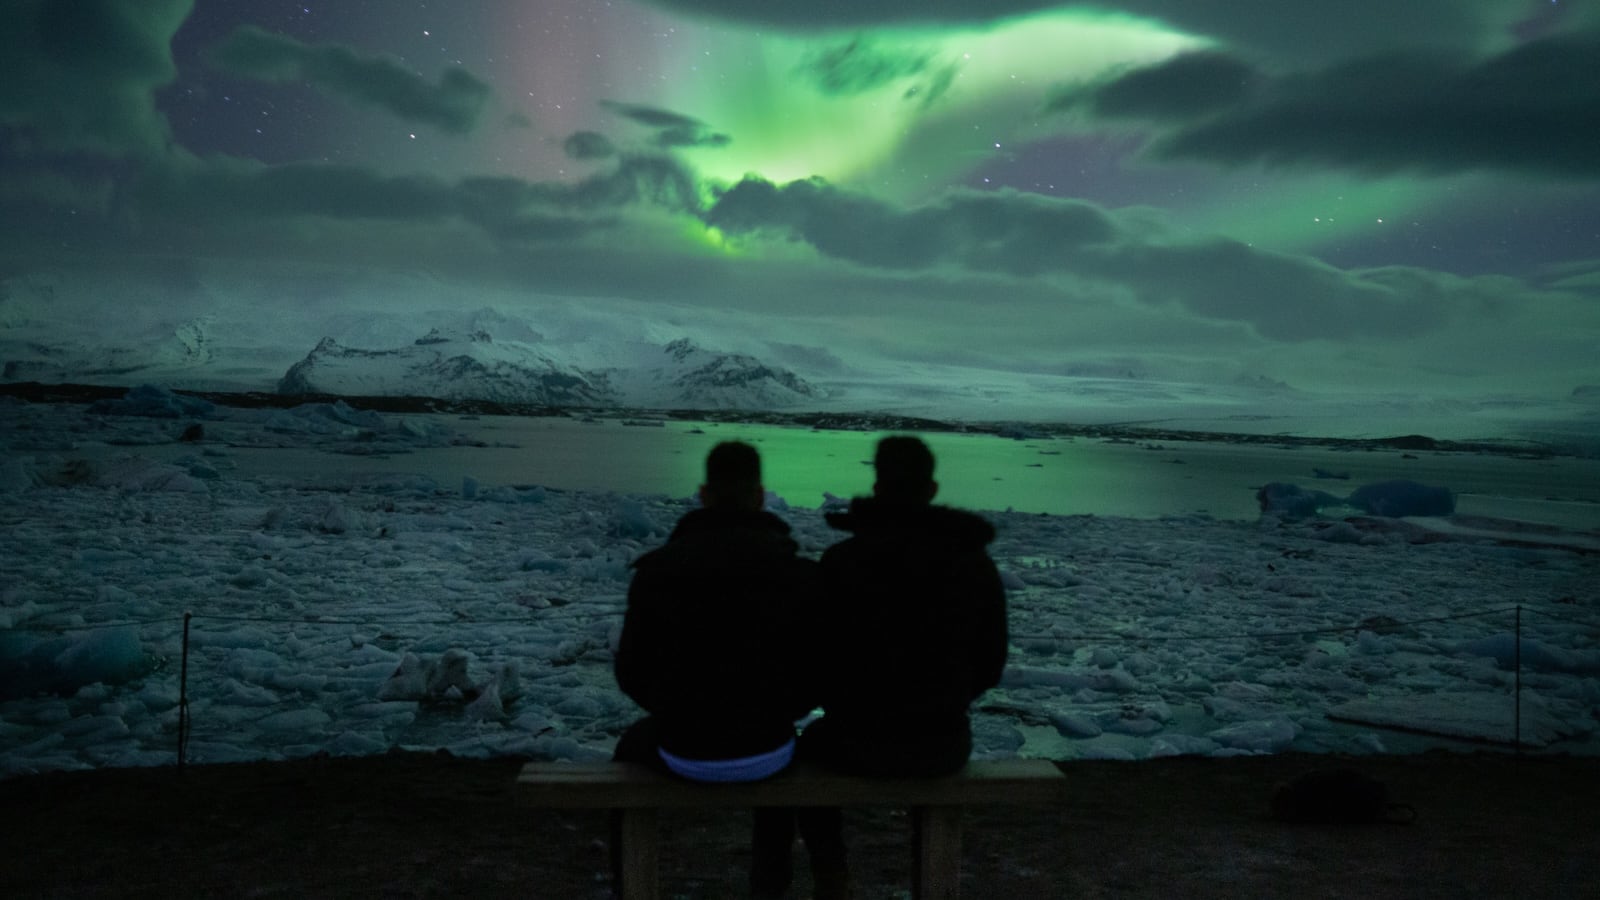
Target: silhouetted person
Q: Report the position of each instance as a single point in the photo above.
(916, 630)
(713, 648)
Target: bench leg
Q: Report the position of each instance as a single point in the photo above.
(936, 853)
(639, 855)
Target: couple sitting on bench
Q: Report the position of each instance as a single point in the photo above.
(731, 637)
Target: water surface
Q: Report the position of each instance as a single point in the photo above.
(1058, 476)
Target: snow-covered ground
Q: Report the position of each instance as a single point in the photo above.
(367, 611)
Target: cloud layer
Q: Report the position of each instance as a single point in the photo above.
(957, 271)
(1267, 26)
(79, 74)
(1025, 236)
(1530, 109)
(453, 105)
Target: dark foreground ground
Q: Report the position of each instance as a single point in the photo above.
(409, 824)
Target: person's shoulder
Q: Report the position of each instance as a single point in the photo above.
(967, 529)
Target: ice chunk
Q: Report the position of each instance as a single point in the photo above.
(135, 473)
(1114, 680)
(36, 662)
(95, 728)
(1292, 501)
(14, 476)
(408, 682)
(1485, 716)
(450, 671)
(1260, 736)
(994, 737)
(352, 743)
(295, 720)
(336, 518)
(1535, 655)
(154, 402)
(1076, 725)
(1107, 751)
(631, 521)
(487, 706)
(1181, 745)
(1403, 498)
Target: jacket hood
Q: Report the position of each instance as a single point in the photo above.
(756, 530)
(869, 515)
(705, 519)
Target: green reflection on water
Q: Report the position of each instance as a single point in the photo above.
(983, 472)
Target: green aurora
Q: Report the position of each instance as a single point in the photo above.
(1337, 201)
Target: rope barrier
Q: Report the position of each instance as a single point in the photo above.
(280, 620)
(185, 724)
(415, 622)
(98, 626)
(540, 621)
(1563, 617)
(1218, 636)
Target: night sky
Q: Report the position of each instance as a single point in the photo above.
(1363, 198)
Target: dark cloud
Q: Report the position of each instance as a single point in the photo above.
(825, 15)
(671, 129)
(1284, 29)
(657, 181)
(81, 75)
(1530, 110)
(223, 189)
(858, 66)
(810, 359)
(226, 193)
(650, 116)
(939, 81)
(668, 138)
(1010, 232)
(1283, 297)
(454, 105)
(588, 145)
(1185, 87)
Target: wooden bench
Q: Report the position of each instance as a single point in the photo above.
(935, 805)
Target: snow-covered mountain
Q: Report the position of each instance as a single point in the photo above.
(451, 367)
(684, 375)
(475, 365)
(164, 354)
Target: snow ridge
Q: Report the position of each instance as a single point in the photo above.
(473, 365)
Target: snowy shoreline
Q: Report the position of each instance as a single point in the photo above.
(388, 610)
(34, 392)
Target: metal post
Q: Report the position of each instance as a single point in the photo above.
(183, 696)
(1516, 662)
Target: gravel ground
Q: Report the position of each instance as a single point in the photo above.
(1486, 825)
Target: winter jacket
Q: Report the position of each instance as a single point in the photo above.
(713, 643)
(916, 620)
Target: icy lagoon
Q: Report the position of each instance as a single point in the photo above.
(1118, 477)
(360, 582)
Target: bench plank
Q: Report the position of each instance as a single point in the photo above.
(638, 792)
(609, 785)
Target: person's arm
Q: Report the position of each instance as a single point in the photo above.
(637, 663)
(990, 640)
(804, 632)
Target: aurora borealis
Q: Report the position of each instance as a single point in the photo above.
(1364, 202)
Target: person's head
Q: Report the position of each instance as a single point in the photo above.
(904, 466)
(733, 477)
